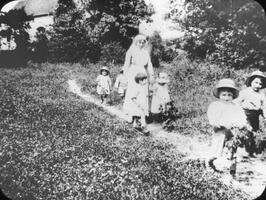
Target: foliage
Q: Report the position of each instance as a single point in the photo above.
(230, 33)
(68, 40)
(40, 48)
(56, 146)
(81, 30)
(157, 49)
(16, 23)
(113, 53)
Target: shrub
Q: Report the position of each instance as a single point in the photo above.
(113, 53)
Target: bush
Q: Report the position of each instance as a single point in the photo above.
(113, 53)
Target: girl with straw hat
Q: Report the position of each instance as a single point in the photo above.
(252, 100)
(160, 95)
(224, 115)
(104, 84)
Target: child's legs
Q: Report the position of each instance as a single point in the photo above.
(250, 144)
(253, 118)
(136, 122)
(155, 117)
(143, 120)
(218, 140)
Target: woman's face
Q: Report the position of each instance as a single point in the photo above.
(141, 43)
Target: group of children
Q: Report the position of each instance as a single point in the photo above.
(232, 111)
(236, 112)
(140, 97)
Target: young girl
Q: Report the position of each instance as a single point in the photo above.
(104, 84)
(121, 84)
(252, 100)
(160, 96)
(139, 103)
(224, 115)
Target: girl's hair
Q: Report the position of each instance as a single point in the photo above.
(226, 89)
(252, 79)
(101, 71)
(140, 76)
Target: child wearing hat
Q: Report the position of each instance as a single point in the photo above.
(253, 101)
(121, 84)
(160, 96)
(224, 115)
(104, 84)
(139, 103)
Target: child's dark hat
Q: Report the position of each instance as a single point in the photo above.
(226, 83)
(256, 74)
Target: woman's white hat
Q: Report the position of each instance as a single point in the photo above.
(226, 83)
(254, 75)
(104, 68)
(163, 78)
(140, 37)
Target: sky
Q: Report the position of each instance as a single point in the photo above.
(166, 29)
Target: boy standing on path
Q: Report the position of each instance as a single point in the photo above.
(224, 116)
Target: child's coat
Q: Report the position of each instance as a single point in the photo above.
(139, 102)
(224, 116)
(160, 97)
(121, 84)
(103, 84)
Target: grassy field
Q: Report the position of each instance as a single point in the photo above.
(54, 145)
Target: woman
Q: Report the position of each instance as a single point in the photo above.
(137, 61)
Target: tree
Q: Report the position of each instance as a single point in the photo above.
(229, 32)
(82, 29)
(17, 23)
(66, 43)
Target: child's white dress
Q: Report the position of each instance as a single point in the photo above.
(160, 97)
(121, 84)
(140, 95)
(225, 115)
(103, 84)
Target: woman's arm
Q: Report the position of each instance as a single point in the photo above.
(127, 61)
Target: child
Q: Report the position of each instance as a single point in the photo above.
(139, 103)
(224, 115)
(252, 100)
(121, 84)
(160, 96)
(104, 84)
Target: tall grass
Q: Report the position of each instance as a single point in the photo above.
(55, 146)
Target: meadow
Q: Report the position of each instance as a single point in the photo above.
(53, 145)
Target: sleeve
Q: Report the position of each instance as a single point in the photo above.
(110, 83)
(263, 104)
(213, 114)
(150, 70)
(127, 61)
(98, 79)
(116, 85)
(240, 119)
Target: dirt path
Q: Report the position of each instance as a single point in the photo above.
(251, 173)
